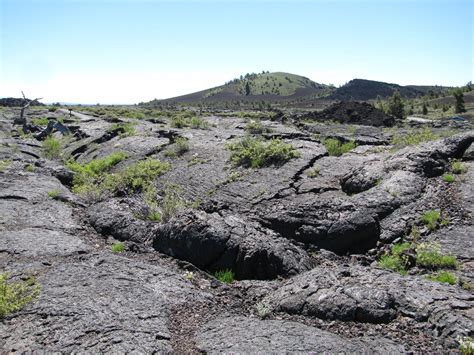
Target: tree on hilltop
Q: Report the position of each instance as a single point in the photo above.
(396, 106)
(459, 105)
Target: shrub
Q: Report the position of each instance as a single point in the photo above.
(52, 147)
(431, 219)
(43, 121)
(15, 295)
(458, 168)
(30, 168)
(255, 153)
(52, 109)
(154, 216)
(336, 148)
(136, 177)
(443, 277)
(429, 255)
(448, 178)
(226, 276)
(118, 247)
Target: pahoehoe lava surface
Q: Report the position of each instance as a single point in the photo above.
(302, 238)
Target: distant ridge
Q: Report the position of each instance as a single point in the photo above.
(296, 90)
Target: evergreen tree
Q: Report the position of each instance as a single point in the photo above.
(247, 89)
(459, 105)
(395, 106)
(425, 109)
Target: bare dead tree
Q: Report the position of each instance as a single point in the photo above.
(22, 119)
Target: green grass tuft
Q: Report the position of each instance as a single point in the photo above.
(448, 178)
(431, 219)
(43, 121)
(52, 147)
(226, 276)
(336, 148)
(118, 247)
(443, 277)
(255, 153)
(429, 255)
(458, 167)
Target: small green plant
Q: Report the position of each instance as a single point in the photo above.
(52, 147)
(336, 148)
(431, 219)
(30, 168)
(180, 146)
(172, 202)
(226, 276)
(458, 167)
(255, 153)
(4, 164)
(448, 178)
(53, 194)
(263, 309)
(188, 275)
(43, 121)
(313, 172)
(15, 295)
(196, 122)
(466, 345)
(429, 255)
(118, 247)
(154, 216)
(395, 260)
(443, 277)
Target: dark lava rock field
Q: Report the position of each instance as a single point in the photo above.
(304, 236)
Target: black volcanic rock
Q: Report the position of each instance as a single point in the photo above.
(360, 113)
(17, 102)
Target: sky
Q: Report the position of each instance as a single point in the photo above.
(125, 52)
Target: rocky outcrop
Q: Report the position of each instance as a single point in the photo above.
(354, 293)
(232, 334)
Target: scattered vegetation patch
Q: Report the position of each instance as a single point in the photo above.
(188, 119)
(443, 277)
(256, 127)
(42, 121)
(118, 247)
(172, 202)
(448, 178)
(15, 295)
(180, 146)
(336, 148)
(126, 129)
(89, 176)
(52, 147)
(256, 153)
(413, 137)
(429, 255)
(136, 177)
(458, 167)
(226, 276)
(431, 219)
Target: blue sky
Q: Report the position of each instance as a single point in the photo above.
(130, 51)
